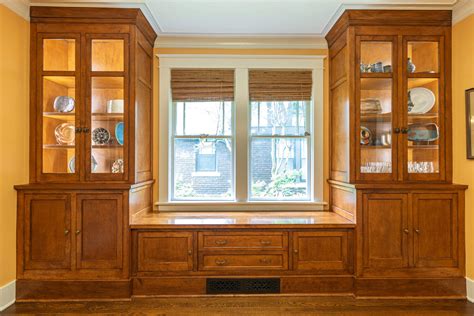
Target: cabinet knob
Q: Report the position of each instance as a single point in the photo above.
(85, 129)
(66, 231)
(78, 232)
(78, 129)
(404, 130)
(190, 252)
(396, 130)
(417, 231)
(265, 242)
(295, 251)
(221, 262)
(406, 231)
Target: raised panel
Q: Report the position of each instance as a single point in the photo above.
(323, 251)
(385, 230)
(165, 251)
(99, 231)
(338, 66)
(435, 224)
(47, 232)
(340, 136)
(143, 137)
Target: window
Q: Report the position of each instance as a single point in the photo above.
(241, 132)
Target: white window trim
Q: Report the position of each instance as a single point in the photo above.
(241, 64)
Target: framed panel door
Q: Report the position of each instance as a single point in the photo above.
(423, 109)
(385, 227)
(435, 222)
(58, 107)
(376, 111)
(99, 231)
(107, 107)
(47, 232)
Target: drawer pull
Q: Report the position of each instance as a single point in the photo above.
(221, 242)
(66, 232)
(265, 260)
(265, 242)
(221, 262)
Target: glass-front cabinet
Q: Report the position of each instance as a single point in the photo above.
(83, 91)
(400, 112)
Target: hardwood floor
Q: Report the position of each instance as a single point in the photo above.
(255, 305)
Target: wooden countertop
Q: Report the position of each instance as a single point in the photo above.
(179, 220)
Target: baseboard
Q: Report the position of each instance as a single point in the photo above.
(7, 295)
(470, 289)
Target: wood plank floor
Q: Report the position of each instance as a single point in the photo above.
(255, 305)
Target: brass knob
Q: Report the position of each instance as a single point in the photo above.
(295, 251)
(66, 231)
(85, 129)
(190, 252)
(221, 242)
(78, 232)
(265, 242)
(78, 129)
(221, 262)
(396, 130)
(406, 231)
(417, 231)
(404, 130)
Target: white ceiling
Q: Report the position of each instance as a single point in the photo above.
(245, 21)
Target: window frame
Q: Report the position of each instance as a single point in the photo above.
(241, 129)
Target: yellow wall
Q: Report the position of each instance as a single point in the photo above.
(463, 78)
(308, 52)
(14, 83)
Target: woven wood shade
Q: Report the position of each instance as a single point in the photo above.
(202, 85)
(280, 85)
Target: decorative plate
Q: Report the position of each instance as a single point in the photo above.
(422, 100)
(72, 164)
(63, 104)
(117, 166)
(423, 132)
(119, 132)
(365, 136)
(65, 133)
(100, 136)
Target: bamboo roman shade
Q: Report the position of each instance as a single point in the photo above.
(280, 85)
(189, 85)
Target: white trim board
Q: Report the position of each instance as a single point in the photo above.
(462, 10)
(7, 295)
(20, 7)
(470, 289)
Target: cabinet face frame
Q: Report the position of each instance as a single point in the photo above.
(393, 76)
(37, 86)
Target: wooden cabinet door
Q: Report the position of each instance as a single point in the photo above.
(323, 251)
(165, 251)
(435, 222)
(385, 231)
(99, 231)
(47, 231)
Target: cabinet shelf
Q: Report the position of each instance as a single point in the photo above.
(387, 117)
(69, 116)
(376, 75)
(58, 146)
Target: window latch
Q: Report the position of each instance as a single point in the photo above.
(204, 136)
(307, 134)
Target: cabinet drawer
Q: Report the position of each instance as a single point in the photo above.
(243, 240)
(213, 261)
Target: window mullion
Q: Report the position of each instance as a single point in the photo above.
(241, 132)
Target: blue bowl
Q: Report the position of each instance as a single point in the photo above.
(119, 132)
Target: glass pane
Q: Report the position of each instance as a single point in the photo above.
(197, 118)
(59, 54)
(279, 169)
(207, 178)
(279, 118)
(59, 110)
(423, 126)
(108, 132)
(376, 56)
(107, 55)
(423, 57)
(376, 126)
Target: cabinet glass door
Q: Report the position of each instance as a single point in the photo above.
(107, 108)
(376, 93)
(424, 107)
(60, 106)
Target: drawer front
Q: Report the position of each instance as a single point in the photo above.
(212, 261)
(243, 241)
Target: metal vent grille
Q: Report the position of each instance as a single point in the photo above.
(243, 286)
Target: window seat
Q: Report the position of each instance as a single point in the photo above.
(317, 219)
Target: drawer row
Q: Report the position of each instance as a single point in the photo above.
(165, 252)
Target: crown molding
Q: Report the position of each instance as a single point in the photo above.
(462, 9)
(20, 7)
(247, 42)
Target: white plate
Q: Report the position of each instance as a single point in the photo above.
(423, 100)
